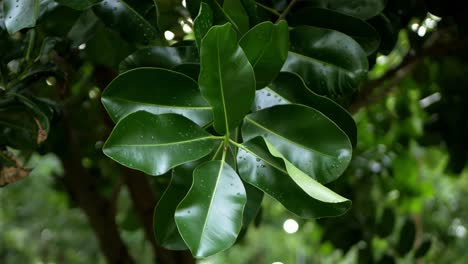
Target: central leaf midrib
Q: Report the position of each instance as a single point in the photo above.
(165, 144)
(223, 100)
(159, 105)
(288, 140)
(212, 198)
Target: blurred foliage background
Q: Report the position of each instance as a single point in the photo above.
(408, 180)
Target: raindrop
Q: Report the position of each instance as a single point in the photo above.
(258, 160)
(238, 193)
(188, 212)
(268, 94)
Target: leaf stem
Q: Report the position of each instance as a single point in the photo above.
(286, 11)
(32, 36)
(217, 151)
(269, 9)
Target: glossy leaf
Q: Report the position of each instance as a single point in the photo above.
(18, 128)
(161, 57)
(121, 17)
(250, 7)
(165, 227)
(253, 205)
(156, 143)
(227, 79)
(359, 30)
(209, 218)
(202, 22)
(290, 88)
(387, 31)
(78, 4)
(266, 46)
(237, 15)
(20, 14)
(363, 9)
(268, 173)
(330, 62)
(157, 91)
(305, 137)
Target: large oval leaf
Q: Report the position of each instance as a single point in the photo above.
(165, 228)
(330, 62)
(78, 4)
(303, 196)
(266, 46)
(356, 28)
(290, 88)
(121, 17)
(363, 9)
(209, 218)
(157, 91)
(226, 79)
(161, 57)
(156, 143)
(235, 12)
(307, 138)
(202, 22)
(20, 14)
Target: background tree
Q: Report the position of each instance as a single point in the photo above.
(249, 97)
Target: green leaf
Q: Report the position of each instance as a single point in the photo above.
(298, 193)
(266, 46)
(387, 31)
(237, 15)
(330, 62)
(227, 79)
(423, 248)
(250, 7)
(253, 205)
(387, 221)
(121, 17)
(157, 91)
(209, 218)
(18, 128)
(406, 238)
(83, 29)
(156, 143)
(161, 57)
(359, 30)
(290, 88)
(363, 9)
(20, 14)
(78, 4)
(165, 227)
(202, 23)
(305, 137)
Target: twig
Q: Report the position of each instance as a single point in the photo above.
(286, 11)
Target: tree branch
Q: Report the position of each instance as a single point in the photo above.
(375, 90)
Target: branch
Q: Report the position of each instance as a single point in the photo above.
(387, 83)
(286, 11)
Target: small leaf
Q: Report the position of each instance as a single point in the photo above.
(387, 222)
(227, 79)
(209, 218)
(290, 88)
(268, 173)
(330, 62)
(20, 14)
(423, 248)
(407, 237)
(121, 17)
(266, 46)
(157, 91)
(202, 23)
(237, 15)
(156, 143)
(305, 137)
(165, 228)
(161, 57)
(358, 29)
